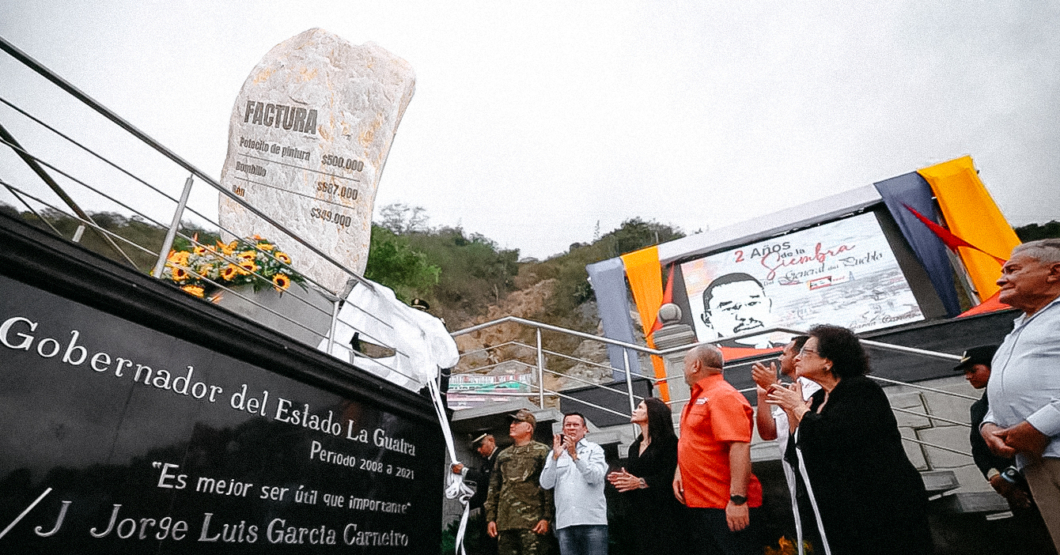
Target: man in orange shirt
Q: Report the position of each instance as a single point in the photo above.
(713, 475)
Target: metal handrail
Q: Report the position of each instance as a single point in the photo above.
(539, 326)
(936, 446)
(491, 347)
(547, 352)
(136, 178)
(69, 88)
(96, 227)
(925, 388)
(21, 196)
(930, 417)
(587, 382)
(493, 365)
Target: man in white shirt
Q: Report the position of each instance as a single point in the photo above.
(1024, 388)
(576, 469)
(773, 424)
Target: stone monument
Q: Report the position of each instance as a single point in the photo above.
(308, 139)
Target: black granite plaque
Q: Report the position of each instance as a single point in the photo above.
(116, 437)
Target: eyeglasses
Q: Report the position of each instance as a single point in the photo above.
(804, 351)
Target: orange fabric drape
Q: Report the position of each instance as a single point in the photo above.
(645, 281)
(972, 215)
(730, 354)
(992, 304)
(668, 297)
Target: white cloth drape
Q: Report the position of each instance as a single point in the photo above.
(420, 341)
(422, 346)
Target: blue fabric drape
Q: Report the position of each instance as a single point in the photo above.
(911, 189)
(612, 304)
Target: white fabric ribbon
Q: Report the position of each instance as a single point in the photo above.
(813, 500)
(422, 346)
(456, 489)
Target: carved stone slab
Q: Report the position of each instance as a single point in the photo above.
(308, 139)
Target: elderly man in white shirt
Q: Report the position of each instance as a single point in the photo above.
(1024, 387)
(576, 469)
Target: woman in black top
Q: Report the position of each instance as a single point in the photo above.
(647, 481)
(872, 499)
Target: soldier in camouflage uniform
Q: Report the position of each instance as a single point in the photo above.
(517, 508)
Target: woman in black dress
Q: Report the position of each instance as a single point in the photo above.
(647, 481)
(872, 499)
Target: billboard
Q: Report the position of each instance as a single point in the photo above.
(841, 273)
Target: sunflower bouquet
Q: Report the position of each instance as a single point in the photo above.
(253, 261)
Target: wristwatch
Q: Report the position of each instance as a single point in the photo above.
(738, 499)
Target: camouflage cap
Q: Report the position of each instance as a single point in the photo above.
(524, 415)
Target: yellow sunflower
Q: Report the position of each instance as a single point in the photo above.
(229, 249)
(248, 255)
(199, 250)
(265, 246)
(179, 274)
(194, 290)
(179, 258)
(247, 267)
(281, 282)
(229, 272)
(282, 257)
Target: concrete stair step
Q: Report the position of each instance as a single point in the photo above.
(974, 502)
(940, 481)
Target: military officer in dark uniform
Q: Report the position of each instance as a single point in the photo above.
(486, 446)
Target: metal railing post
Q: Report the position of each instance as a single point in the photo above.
(629, 383)
(172, 233)
(334, 320)
(540, 372)
(629, 391)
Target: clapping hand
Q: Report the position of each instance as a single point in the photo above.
(786, 397)
(764, 377)
(790, 399)
(623, 480)
(562, 443)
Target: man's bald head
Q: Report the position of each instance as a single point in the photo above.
(703, 361)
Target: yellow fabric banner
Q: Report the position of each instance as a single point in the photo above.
(645, 281)
(972, 215)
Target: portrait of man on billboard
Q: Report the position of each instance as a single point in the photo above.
(736, 303)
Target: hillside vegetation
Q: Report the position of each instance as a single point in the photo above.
(466, 277)
(460, 274)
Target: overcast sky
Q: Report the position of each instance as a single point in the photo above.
(533, 121)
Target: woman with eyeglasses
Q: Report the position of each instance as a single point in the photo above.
(871, 498)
